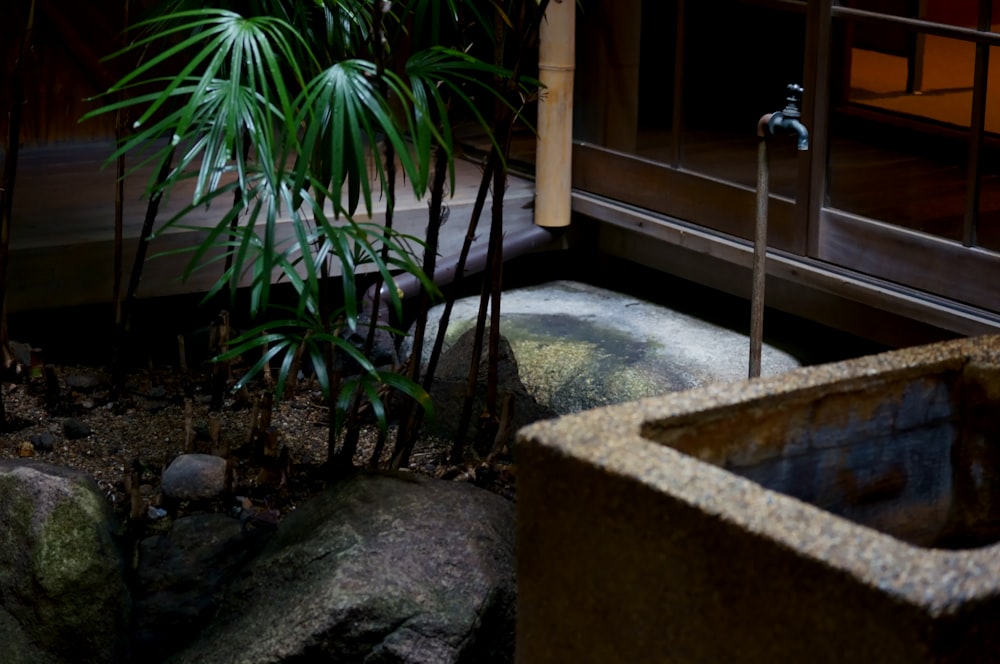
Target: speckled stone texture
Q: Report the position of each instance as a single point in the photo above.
(630, 550)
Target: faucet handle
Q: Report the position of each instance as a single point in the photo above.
(793, 100)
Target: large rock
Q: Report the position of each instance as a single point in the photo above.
(181, 577)
(381, 568)
(62, 577)
(18, 647)
(580, 347)
(449, 387)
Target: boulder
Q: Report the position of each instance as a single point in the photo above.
(448, 389)
(62, 575)
(180, 579)
(18, 647)
(580, 347)
(379, 568)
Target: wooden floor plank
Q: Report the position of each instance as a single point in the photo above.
(62, 227)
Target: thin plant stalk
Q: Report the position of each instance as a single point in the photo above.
(237, 203)
(492, 291)
(121, 120)
(145, 233)
(405, 438)
(408, 435)
(352, 430)
(490, 419)
(11, 150)
(135, 275)
(411, 424)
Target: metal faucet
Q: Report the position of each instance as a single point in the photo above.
(787, 119)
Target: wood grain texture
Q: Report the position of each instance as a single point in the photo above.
(61, 237)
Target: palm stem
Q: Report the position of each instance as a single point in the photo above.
(352, 431)
(11, 149)
(406, 436)
(117, 361)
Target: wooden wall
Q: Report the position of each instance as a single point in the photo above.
(64, 66)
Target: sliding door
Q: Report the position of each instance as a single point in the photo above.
(901, 184)
(912, 186)
(669, 93)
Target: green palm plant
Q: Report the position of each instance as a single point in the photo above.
(274, 111)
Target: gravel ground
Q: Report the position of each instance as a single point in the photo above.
(147, 429)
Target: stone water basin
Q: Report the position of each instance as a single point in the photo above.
(844, 512)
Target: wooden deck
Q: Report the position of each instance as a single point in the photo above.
(63, 227)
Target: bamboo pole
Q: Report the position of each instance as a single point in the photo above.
(554, 150)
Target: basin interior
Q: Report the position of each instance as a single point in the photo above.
(913, 453)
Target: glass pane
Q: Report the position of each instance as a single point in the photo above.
(899, 135)
(933, 82)
(625, 73)
(656, 81)
(988, 227)
(739, 60)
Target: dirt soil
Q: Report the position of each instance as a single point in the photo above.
(164, 412)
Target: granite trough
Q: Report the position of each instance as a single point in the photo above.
(843, 512)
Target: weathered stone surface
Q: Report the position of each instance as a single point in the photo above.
(61, 569)
(83, 382)
(18, 647)
(647, 507)
(380, 568)
(580, 347)
(180, 579)
(448, 390)
(74, 428)
(194, 477)
(43, 442)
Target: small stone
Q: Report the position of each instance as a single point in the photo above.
(158, 392)
(75, 429)
(22, 352)
(155, 513)
(26, 450)
(194, 477)
(83, 382)
(43, 442)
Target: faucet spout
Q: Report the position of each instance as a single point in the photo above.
(782, 121)
(786, 120)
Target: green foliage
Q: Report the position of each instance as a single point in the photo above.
(274, 109)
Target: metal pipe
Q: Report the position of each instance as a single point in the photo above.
(554, 149)
(786, 120)
(759, 250)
